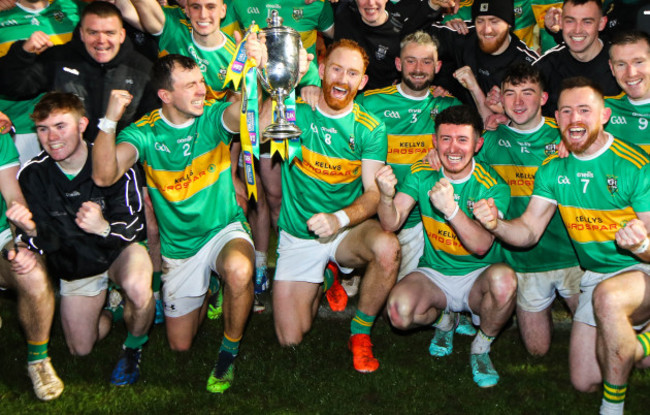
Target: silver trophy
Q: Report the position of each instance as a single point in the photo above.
(281, 74)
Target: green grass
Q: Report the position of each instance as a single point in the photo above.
(315, 378)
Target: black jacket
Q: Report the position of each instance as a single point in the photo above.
(54, 200)
(69, 68)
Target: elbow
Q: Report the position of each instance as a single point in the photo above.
(101, 181)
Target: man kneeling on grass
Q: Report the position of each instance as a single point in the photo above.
(89, 233)
(458, 271)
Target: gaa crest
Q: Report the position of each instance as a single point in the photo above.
(612, 184)
(58, 16)
(550, 149)
(351, 143)
(297, 14)
(470, 205)
(381, 51)
(222, 73)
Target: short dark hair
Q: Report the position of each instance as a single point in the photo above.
(161, 73)
(460, 115)
(580, 82)
(582, 2)
(628, 37)
(57, 102)
(522, 72)
(101, 9)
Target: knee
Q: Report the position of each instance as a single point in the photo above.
(34, 284)
(238, 273)
(503, 284)
(80, 348)
(400, 312)
(608, 299)
(583, 385)
(138, 292)
(287, 337)
(387, 251)
(179, 345)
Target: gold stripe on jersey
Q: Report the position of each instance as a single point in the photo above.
(308, 38)
(204, 171)
(420, 166)
(389, 90)
(364, 118)
(521, 179)
(57, 39)
(590, 225)
(407, 149)
(483, 177)
(230, 46)
(328, 169)
(149, 119)
(550, 122)
(628, 153)
(619, 96)
(443, 237)
(186, 23)
(549, 158)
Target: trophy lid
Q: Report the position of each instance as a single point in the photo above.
(274, 20)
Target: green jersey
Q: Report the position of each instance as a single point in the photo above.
(58, 21)
(307, 19)
(597, 196)
(8, 158)
(409, 128)
(524, 19)
(443, 251)
(176, 37)
(516, 155)
(328, 175)
(187, 168)
(629, 120)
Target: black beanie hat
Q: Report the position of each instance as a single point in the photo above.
(503, 9)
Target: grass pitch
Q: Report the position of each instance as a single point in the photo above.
(315, 378)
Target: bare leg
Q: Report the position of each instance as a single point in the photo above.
(536, 330)
(583, 364)
(80, 319)
(493, 297)
(295, 304)
(415, 301)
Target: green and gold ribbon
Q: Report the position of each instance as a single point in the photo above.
(287, 149)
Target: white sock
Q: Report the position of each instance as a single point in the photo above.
(481, 343)
(611, 408)
(446, 321)
(260, 259)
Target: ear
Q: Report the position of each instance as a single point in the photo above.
(321, 70)
(364, 81)
(544, 98)
(122, 35)
(438, 66)
(479, 144)
(83, 124)
(607, 112)
(398, 64)
(602, 23)
(164, 95)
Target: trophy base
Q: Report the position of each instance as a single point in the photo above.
(283, 131)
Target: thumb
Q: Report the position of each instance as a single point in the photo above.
(490, 202)
(11, 254)
(238, 37)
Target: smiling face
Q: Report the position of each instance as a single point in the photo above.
(373, 12)
(102, 36)
(523, 103)
(492, 34)
(630, 64)
(418, 64)
(205, 16)
(580, 27)
(60, 135)
(342, 75)
(581, 116)
(456, 146)
(186, 99)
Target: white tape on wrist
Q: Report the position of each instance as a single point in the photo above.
(343, 218)
(106, 231)
(107, 125)
(643, 247)
(453, 214)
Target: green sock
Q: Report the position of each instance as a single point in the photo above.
(230, 345)
(214, 284)
(361, 323)
(135, 342)
(328, 279)
(614, 393)
(644, 339)
(36, 351)
(156, 282)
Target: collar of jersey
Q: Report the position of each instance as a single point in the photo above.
(333, 116)
(610, 140)
(637, 102)
(531, 131)
(171, 124)
(459, 181)
(213, 48)
(404, 94)
(31, 11)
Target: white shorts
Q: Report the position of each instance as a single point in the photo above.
(186, 280)
(455, 288)
(585, 311)
(5, 237)
(411, 242)
(305, 259)
(85, 287)
(536, 290)
(28, 147)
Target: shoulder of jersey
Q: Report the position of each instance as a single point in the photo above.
(420, 166)
(631, 153)
(550, 122)
(365, 118)
(484, 176)
(616, 97)
(148, 119)
(389, 90)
